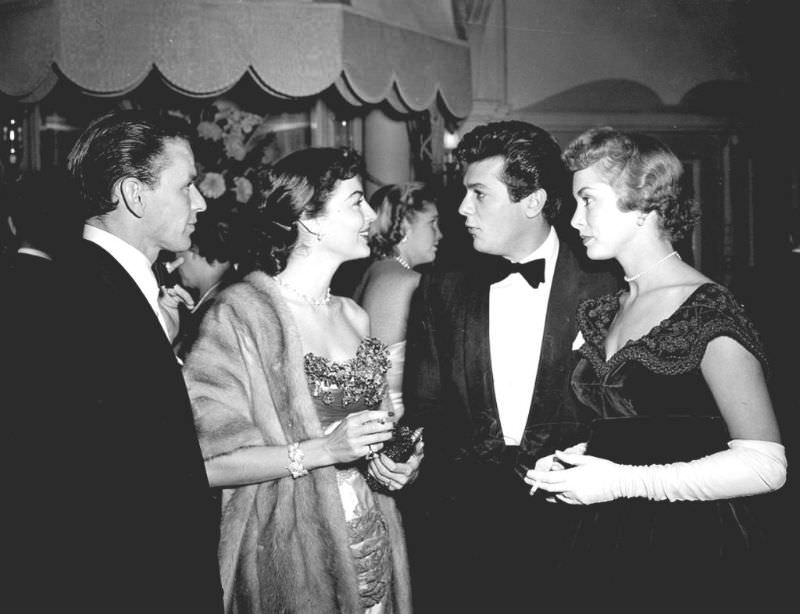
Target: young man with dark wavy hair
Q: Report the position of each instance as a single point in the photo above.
(490, 352)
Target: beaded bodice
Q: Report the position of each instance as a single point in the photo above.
(658, 373)
(340, 388)
(343, 387)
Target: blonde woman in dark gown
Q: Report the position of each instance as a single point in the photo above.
(686, 436)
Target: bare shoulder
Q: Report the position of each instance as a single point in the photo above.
(390, 282)
(386, 299)
(354, 313)
(675, 290)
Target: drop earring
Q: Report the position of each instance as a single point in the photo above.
(317, 235)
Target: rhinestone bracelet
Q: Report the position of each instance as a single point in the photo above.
(296, 456)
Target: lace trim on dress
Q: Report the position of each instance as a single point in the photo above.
(677, 344)
(361, 377)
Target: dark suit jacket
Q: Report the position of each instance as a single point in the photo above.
(448, 385)
(31, 267)
(470, 500)
(129, 517)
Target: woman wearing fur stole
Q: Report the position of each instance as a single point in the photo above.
(291, 407)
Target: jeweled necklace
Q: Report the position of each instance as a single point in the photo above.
(650, 268)
(403, 262)
(316, 302)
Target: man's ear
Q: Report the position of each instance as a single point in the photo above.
(130, 193)
(533, 203)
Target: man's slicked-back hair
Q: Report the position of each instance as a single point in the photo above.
(531, 160)
(117, 145)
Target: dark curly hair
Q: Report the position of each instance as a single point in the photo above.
(532, 160)
(213, 237)
(119, 144)
(394, 204)
(298, 185)
(645, 174)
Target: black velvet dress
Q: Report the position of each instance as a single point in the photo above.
(653, 406)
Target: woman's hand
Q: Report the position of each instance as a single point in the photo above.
(577, 479)
(550, 463)
(396, 475)
(359, 434)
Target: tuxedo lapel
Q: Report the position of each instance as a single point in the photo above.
(477, 352)
(552, 417)
(559, 323)
(477, 361)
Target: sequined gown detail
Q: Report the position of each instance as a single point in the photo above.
(658, 376)
(339, 389)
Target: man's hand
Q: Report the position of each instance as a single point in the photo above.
(169, 299)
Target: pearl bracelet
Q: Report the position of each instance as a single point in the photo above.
(295, 465)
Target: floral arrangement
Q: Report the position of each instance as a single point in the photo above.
(231, 146)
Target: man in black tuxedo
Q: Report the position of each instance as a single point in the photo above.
(123, 518)
(488, 363)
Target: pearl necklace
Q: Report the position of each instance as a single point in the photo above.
(316, 302)
(650, 268)
(403, 262)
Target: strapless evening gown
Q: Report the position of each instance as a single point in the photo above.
(339, 389)
(394, 377)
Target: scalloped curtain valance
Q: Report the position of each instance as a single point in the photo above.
(203, 47)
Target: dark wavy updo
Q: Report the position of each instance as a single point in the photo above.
(394, 204)
(213, 237)
(298, 185)
(643, 172)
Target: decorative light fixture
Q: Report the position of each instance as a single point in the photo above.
(451, 140)
(12, 142)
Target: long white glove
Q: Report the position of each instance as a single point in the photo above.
(747, 467)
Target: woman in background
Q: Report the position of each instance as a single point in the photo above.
(289, 395)
(404, 235)
(205, 269)
(675, 372)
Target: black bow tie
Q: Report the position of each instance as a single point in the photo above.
(532, 271)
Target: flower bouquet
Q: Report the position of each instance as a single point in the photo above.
(230, 147)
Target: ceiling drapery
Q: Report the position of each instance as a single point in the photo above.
(202, 48)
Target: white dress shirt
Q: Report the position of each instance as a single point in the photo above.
(516, 326)
(135, 263)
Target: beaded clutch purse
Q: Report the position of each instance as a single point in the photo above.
(399, 448)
